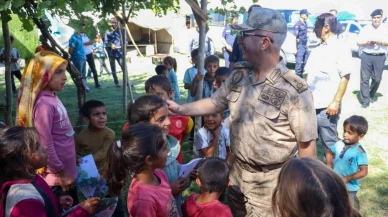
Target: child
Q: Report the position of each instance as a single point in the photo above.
(222, 74)
(15, 68)
(350, 158)
(171, 65)
(97, 138)
(213, 139)
(211, 65)
(153, 109)
(39, 106)
(190, 75)
(23, 192)
(181, 126)
(213, 179)
(143, 152)
(99, 50)
(306, 187)
(161, 70)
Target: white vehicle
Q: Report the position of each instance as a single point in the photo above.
(351, 30)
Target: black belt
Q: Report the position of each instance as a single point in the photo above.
(375, 54)
(259, 168)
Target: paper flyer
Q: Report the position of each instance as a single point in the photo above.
(89, 181)
(186, 169)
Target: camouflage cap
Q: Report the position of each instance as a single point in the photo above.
(263, 19)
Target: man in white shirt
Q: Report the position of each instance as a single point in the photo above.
(328, 69)
(88, 44)
(373, 40)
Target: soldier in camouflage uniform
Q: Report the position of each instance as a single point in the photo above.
(271, 109)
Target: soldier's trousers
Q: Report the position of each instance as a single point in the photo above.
(302, 56)
(250, 193)
(371, 67)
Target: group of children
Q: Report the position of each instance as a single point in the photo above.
(148, 158)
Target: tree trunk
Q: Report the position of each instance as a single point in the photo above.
(201, 60)
(8, 82)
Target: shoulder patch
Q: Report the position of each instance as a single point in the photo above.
(298, 83)
(361, 149)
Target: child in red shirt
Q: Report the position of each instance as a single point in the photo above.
(143, 151)
(23, 192)
(213, 178)
(181, 126)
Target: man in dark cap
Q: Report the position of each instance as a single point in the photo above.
(300, 32)
(373, 40)
(271, 108)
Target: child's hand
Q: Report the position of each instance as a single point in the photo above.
(194, 174)
(199, 77)
(215, 85)
(90, 205)
(66, 202)
(216, 132)
(178, 186)
(345, 179)
(65, 181)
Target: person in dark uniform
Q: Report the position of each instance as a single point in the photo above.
(373, 40)
(302, 54)
(228, 37)
(236, 55)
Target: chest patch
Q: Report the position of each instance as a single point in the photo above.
(273, 96)
(237, 77)
(178, 124)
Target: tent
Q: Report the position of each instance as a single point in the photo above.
(344, 15)
(150, 31)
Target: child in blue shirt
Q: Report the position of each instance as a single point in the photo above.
(190, 75)
(350, 158)
(171, 65)
(211, 65)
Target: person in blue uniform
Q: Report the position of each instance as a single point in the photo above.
(302, 54)
(228, 37)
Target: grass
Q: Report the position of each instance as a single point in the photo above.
(373, 194)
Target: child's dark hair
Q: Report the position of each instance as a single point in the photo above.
(194, 53)
(137, 142)
(160, 69)
(223, 71)
(214, 174)
(307, 187)
(357, 124)
(11, 38)
(172, 61)
(212, 59)
(158, 81)
(17, 144)
(89, 105)
(143, 109)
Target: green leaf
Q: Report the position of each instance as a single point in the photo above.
(17, 4)
(5, 5)
(28, 24)
(41, 8)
